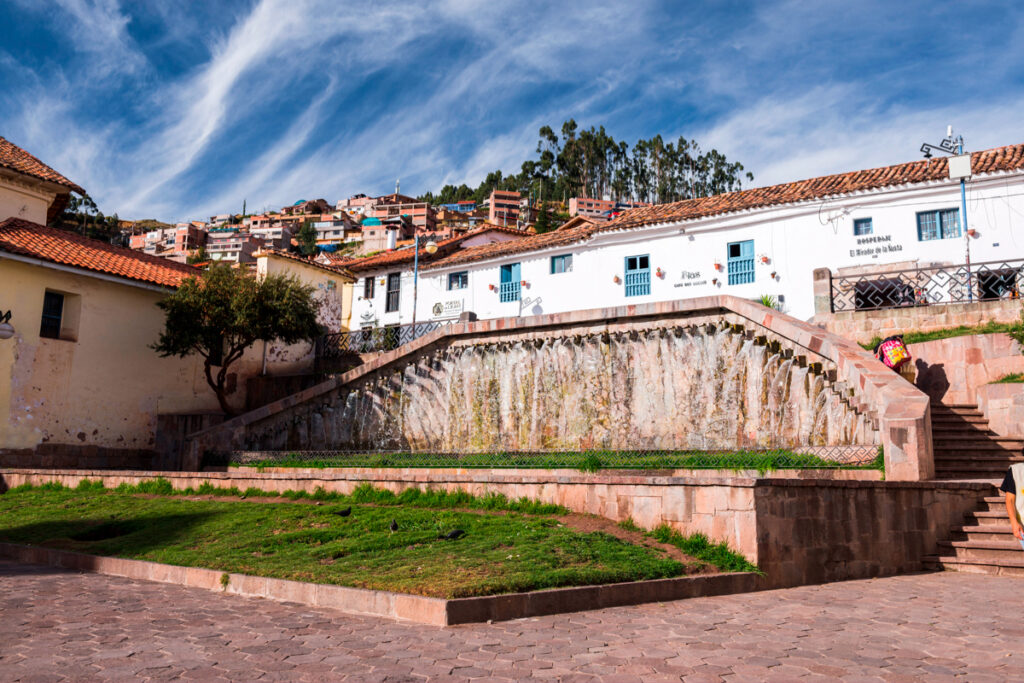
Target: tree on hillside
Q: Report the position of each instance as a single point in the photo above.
(225, 311)
(197, 256)
(307, 239)
(543, 223)
(589, 162)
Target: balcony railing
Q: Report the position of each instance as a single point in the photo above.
(928, 286)
(638, 283)
(509, 291)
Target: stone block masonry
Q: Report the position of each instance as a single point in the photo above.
(712, 372)
(797, 531)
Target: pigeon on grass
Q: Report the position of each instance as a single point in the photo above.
(393, 526)
(454, 534)
(344, 513)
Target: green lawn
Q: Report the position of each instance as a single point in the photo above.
(586, 461)
(508, 545)
(913, 337)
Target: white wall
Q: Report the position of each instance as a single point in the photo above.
(24, 199)
(796, 239)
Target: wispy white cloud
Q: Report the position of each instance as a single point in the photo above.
(276, 99)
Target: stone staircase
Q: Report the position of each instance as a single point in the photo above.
(965, 448)
(983, 545)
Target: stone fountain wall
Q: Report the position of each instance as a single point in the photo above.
(702, 382)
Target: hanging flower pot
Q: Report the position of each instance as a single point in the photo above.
(491, 287)
(524, 283)
(659, 272)
(617, 280)
(718, 266)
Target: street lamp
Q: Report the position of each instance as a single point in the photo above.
(6, 328)
(431, 248)
(959, 168)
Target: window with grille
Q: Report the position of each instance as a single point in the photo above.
(561, 264)
(459, 280)
(741, 262)
(368, 288)
(638, 275)
(394, 292)
(938, 225)
(862, 226)
(53, 312)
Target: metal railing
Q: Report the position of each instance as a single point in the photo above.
(371, 339)
(798, 457)
(928, 286)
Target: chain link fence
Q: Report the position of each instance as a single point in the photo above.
(812, 457)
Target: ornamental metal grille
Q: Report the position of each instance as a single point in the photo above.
(929, 286)
(331, 347)
(802, 457)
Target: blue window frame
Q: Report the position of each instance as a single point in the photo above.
(638, 275)
(459, 280)
(741, 262)
(938, 225)
(862, 226)
(561, 264)
(510, 279)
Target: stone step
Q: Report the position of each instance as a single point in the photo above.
(970, 437)
(979, 448)
(955, 564)
(958, 418)
(985, 532)
(953, 407)
(991, 476)
(984, 550)
(961, 428)
(975, 464)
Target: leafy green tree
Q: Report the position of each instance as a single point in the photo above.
(307, 239)
(225, 311)
(197, 256)
(543, 223)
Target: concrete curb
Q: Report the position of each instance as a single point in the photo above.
(399, 606)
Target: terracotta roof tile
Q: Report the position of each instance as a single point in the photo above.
(547, 240)
(25, 238)
(330, 267)
(444, 248)
(17, 159)
(1008, 158)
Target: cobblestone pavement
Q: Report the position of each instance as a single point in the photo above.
(58, 625)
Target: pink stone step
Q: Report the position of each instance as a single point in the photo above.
(956, 564)
(991, 551)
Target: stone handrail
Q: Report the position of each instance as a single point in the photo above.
(900, 409)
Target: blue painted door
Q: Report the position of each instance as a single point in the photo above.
(510, 279)
(638, 275)
(741, 262)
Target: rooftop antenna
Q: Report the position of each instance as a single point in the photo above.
(396, 186)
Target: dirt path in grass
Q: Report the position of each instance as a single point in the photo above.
(575, 521)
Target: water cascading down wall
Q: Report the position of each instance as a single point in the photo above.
(686, 384)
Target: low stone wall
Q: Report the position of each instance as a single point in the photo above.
(863, 326)
(952, 370)
(68, 456)
(1003, 405)
(797, 531)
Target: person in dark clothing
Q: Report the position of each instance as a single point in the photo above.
(1013, 487)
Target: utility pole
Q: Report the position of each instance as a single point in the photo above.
(959, 168)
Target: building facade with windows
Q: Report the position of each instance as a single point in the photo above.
(762, 241)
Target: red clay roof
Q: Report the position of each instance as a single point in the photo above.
(547, 240)
(1009, 158)
(17, 159)
(444, 249)
(25, 238)
(330, 267)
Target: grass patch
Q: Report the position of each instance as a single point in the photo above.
(1014, 378)
(584, 461)
(516, 550)
(698, 546)
(913, 337)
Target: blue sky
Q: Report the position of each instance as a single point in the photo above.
(180, 110)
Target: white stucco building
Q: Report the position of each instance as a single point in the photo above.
(762, 241)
